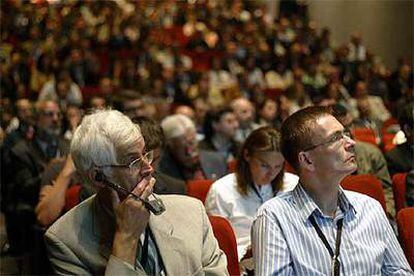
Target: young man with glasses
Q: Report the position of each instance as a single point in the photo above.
(318, 228)
(113, 232)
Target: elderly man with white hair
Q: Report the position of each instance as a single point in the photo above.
(113, 232)
(182, 158)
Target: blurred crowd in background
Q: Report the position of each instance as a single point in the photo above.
(202, 54)
(61, 59)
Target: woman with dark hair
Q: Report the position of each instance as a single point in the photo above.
(267, 113)
(219, 131)
(259, 177)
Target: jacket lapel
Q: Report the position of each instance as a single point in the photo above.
(170, 246)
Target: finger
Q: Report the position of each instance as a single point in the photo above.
(114, 198)
(149, 189)
(141, 186)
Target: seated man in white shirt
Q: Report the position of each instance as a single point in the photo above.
(318, 228)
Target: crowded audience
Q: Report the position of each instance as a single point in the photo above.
(197, 81)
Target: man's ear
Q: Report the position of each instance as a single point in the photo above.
(97, 177)
(305, 161)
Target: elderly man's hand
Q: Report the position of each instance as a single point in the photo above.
(131, 220)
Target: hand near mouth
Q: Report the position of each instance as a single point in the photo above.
(131, 219)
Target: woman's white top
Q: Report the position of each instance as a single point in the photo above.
(224, 200)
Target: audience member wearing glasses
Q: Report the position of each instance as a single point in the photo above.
(319, 228)
(125, 229)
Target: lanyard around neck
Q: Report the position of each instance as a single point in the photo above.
(335, 262)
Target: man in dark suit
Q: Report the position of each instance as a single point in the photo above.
(182, 158)
(28, 158)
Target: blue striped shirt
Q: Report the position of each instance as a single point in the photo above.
(284, 241)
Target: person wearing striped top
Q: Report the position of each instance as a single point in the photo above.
(318, 228)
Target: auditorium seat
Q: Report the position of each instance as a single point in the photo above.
(405, 222)
(399, 189)
(387, 141)
(365, 184)
(289, 168)
(364, 135)
(227, 242)
(199, 188)
(72, 197)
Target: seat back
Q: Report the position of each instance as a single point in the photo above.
(72, 197)
(365, 184)
(399, 189)
(227, 242)
(405, 223)
(199, 188)
(365, 135)
(289, 168)
(387, 143)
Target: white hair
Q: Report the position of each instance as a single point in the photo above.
(176, 125)
(100, 138)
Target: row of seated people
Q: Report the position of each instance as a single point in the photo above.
(181, 145)
(260, 164)
(265, 165)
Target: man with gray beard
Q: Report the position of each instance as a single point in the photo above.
(28, 161)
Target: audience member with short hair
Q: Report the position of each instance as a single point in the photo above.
(29, 159)
(319, 226)
(182, 157)
(219, 133)
(369, 158)
(245, 114)
(113, 232)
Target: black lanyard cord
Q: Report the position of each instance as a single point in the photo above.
(144, 257)
(326, 243)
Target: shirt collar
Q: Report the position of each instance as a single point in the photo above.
(306, 205)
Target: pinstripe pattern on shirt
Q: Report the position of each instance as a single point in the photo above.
(284, 241)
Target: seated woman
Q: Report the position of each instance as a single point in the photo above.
(259, 176)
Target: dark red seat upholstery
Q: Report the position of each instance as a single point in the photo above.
(199, 188)
(405, 222)
(365, 184)
(227, 242)
(365, 135)
(72, 197)
(399, 189)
